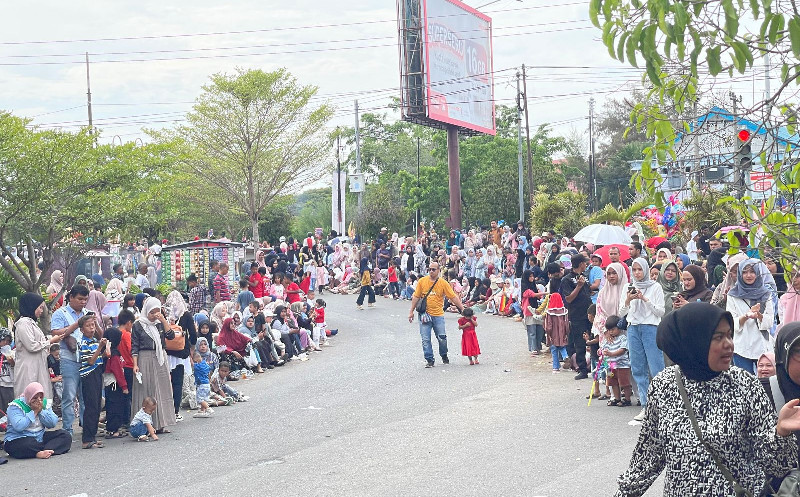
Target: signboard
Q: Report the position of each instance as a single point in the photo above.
(761, 181)
(458, 65)
(356, 183)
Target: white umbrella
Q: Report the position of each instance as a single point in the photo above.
(602, 234)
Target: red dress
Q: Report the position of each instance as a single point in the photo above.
(469, 340)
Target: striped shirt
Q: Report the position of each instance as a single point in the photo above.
(88, 346)
(615, 344)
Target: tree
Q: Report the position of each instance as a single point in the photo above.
(562, 212)
(253, 136)
(680, 41)
(312, 209)
(704, 207)
(276, 219)
(382, 206)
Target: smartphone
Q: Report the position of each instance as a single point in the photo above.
(90, 313)
(631, 289)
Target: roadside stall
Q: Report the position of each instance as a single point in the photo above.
(182, 259)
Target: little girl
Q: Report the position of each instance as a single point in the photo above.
(469, 339)
(615, 351)
(319, 335)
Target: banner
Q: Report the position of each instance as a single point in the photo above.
(339, 183)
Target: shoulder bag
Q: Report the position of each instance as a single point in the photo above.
(737, 489)
(422, 305)
(179, 342)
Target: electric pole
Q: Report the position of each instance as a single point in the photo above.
(739, 174)
(358, 157)
(531, 191)
(519, 151)
(416, 227)
(592, 169)
(89, 94)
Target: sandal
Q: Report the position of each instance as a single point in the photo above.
(143, 438)
(595, 396)
(92, 445)
(162, 431)
(604, 397)
(613, 403)
(114, 435)
(625, 403)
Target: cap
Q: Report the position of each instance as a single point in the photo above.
(282, 239)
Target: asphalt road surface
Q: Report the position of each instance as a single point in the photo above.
(364, 417)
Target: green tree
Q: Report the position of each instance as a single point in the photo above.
(383, 206)
(705, 207)
(276, 219)
(312, 209)
(563, 212)
(253, 136)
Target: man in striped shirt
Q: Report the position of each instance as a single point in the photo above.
(222, 290)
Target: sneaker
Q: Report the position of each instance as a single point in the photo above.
(303, 357)
(210, 411)
(202, 414)
(371, 305)
(430, 364)
(445, 360)
(640, 416)
(556, 371)
(243, 398)
(582, 376)
(360, 307)
(178, 418)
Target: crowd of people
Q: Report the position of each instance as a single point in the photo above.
(620, 317)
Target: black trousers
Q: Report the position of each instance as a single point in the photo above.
(126, 407)
(92, 389)
(115, 408)
(59, 441)
(394, 289)
(366, 290)
(176, 376)
(576, 344)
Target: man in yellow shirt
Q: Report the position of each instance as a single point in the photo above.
(436, 289)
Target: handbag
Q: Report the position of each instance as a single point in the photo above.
(422, 305)
(179, 342)
(534, 318)
(737, 489)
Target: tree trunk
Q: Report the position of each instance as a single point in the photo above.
(254, 222)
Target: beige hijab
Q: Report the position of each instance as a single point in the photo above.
(150, 327)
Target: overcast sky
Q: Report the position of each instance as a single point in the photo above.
(347, 48)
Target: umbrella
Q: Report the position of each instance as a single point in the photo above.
(727, 229)
(624, 253)
(602, 234)
(655, 242)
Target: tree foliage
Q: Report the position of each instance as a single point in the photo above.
(253, 136)
(561, 212)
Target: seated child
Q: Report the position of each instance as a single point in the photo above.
(615, 352)
(142, 423)
(201, 372)
(219, 385)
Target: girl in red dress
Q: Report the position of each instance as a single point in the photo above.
(469, 340)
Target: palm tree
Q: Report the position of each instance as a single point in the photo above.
(610, 214)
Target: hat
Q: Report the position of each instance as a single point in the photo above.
(544, 233)
(282, 239)
(555, 305)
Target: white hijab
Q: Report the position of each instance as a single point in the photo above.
(150, 327)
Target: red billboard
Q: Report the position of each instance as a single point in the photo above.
(458, 65)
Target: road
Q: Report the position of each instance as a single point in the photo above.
(364, 417)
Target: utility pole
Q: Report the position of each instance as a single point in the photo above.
(358, 155)
(339, 214)
(531, 191)
(519, 151)
(739, 176)
(89, 94)
(592, 168)
(417, 217)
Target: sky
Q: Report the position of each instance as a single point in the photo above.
(149, 60)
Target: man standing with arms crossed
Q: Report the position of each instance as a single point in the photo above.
(434, 289)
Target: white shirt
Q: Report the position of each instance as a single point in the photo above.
(691, 250)
(641, 312)
(748, 339)
(142, 282)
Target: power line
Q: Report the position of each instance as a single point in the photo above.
(267, 30)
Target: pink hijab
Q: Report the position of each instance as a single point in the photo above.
(790, 303)
(97, 302)
(31, 391)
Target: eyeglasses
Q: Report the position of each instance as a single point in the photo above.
(434, 269)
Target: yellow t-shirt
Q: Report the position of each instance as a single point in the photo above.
(441, 289)
(366, 278)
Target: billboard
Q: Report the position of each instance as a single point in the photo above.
(458, 65)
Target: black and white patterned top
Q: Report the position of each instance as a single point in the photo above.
(737, 420)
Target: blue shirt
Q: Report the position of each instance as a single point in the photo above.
(244, 299)
(88, 346)
(63, 317)
(201, 373)
(20, 421)
(595, 273)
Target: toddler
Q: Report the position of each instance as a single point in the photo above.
(219, 385)
(394, 280)
(319, 333)
(615, 352)
(203, 390)
(469, 339)
(142, 423)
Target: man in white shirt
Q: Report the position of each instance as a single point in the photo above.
(691, 247)
(141, 279)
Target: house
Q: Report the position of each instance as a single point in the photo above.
(724, 151)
